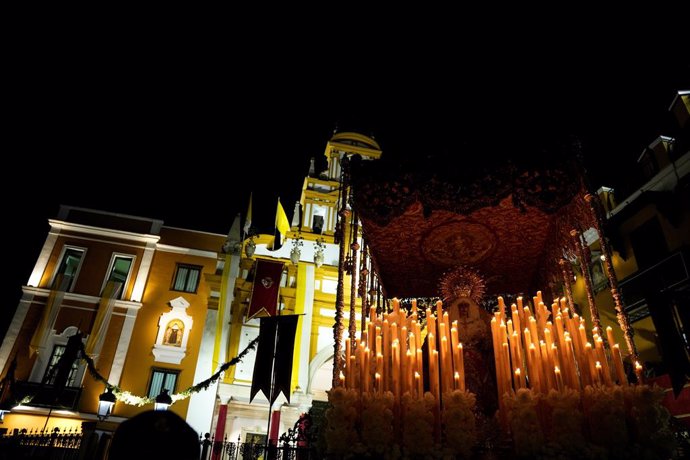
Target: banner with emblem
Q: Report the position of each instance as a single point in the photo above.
(266, 288)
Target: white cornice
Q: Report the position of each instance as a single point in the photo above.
(195, 231)
(41, 292)
(187, 251)
(71, 226)
(664, 180)
(681, 93)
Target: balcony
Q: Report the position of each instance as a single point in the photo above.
(44, 396)
(672, 273)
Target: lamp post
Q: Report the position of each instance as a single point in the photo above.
(106, 401)
(163, 400)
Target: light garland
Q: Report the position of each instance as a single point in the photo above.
(135, 400)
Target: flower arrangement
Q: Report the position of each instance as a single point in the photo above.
(418, 425)
(341, 431)
(377, 422)
(619, 422)
(459, 423)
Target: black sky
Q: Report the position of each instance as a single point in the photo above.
(183, 135)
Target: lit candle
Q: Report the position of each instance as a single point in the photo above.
(461, 366)
(547, 365)
(395, 369)
(377, 378)
(600, 372)
(534, 370)
(516, 319)
(618, 365)
(386, 375)
(638, 373)
(367, 376)
(456, 381)
(501, 308)
(413, 349)
(505, 364)
(559, 378)
(516, 356)
(601, 354)
(609, 335)
(418, 384)
(430, 324)
(409, 369)
(342, 379)
(518, 380)
(433, 375)
(446, 369)
(379, 365)
(569, 363)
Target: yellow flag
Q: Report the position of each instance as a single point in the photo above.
(282, 223)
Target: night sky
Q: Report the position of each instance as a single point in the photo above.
(185, 136)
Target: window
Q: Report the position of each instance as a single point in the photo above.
(648, 243)
(50, 374)
(162, 379)
(119, 271)
(317, 224)
(186, 278)
(69, 266)
(648, 164)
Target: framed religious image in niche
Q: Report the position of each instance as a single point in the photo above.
(598, 273)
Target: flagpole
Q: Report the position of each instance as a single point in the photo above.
(271, 389)
(275, 225)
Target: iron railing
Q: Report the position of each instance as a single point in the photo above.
(48, 445)
(226, 450)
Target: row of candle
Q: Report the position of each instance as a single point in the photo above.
(388, 356)
(531, 349)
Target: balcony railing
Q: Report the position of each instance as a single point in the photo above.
(668, 274)
(46, 396)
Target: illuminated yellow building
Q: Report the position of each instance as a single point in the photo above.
(308, 288)
(162, 308)
(146, 336)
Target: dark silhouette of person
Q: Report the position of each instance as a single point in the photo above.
(154, 434)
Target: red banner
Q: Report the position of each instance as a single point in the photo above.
(266, 288)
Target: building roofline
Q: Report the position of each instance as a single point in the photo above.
(679, 93)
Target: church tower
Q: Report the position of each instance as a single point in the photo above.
(308, 261)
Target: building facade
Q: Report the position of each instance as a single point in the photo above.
(161, 308)
(649, 230)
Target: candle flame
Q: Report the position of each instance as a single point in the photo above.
(598, 365)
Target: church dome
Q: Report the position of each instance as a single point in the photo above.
(356, 140)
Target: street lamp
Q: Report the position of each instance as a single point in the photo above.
(106, 401)
(162, 401)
